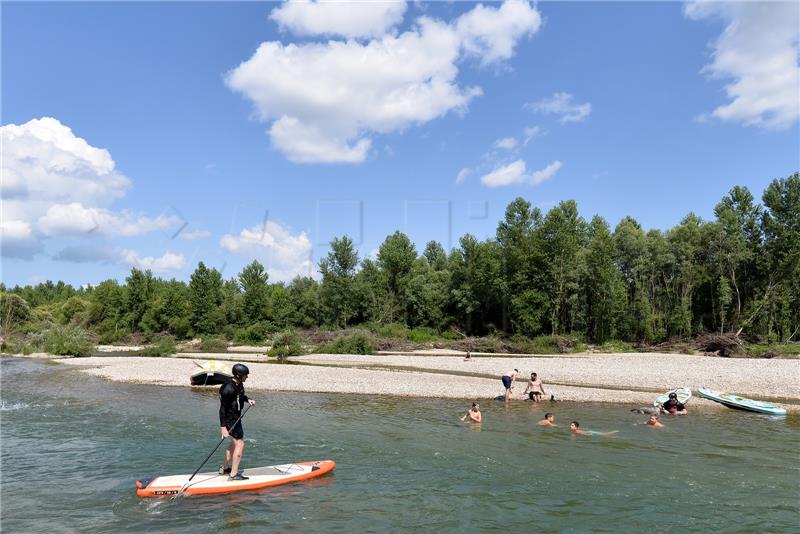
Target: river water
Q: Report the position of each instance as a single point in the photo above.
(73, 446)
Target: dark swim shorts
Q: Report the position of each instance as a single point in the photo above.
(506, 381)
(237, 431)
(533, 394)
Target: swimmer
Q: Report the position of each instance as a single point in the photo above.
(575, 428)
(547, 421)
(474, 413)
(654, 422)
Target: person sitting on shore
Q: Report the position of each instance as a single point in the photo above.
(474, 413)
(672, 406)
(654, 422)
(575, 428)
(468, 357)
(548, 420)
(508, 382)
(535, 389)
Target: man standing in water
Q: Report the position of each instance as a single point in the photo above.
(231, 401)
(508, 382)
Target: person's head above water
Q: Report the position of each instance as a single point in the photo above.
(548, 416)
(653, 418)
(573, 425)
(240, 372)
(673, 396)
(476, 405)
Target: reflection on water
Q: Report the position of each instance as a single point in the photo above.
(73, 445)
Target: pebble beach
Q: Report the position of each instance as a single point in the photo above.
(620, 378)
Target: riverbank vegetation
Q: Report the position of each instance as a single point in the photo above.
(547, 282)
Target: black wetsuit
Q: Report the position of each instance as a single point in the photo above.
(231, 400)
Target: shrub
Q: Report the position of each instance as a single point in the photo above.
(213, 344)
(16, 347)
(14, 310)
(65, 341)
(615, 346)
(253, 334)
(358, 343)
(285, 344)
(161, 346)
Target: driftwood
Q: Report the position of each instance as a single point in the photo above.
(725, 345)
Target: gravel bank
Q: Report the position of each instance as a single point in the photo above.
(630, 371)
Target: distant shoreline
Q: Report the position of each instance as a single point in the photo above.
(626, 378)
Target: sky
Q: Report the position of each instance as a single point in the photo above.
(157, 135)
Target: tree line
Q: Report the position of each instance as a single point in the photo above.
(551, 273)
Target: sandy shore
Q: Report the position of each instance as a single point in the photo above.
(622, 378)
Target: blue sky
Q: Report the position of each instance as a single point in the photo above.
(195, 147)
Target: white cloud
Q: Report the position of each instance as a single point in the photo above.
(192, 235)
(285, 255)
(55, 183)
(516, 173)
(506, 143)
(491, 34)
(75, 219)
(545, 174)
(345, 18)
(169, 261)
(561, 104)
(462, 175)
(531, 133)
(325, 101)
(758, 52)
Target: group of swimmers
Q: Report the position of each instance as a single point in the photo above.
(535, 392)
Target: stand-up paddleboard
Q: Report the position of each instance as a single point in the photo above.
(684, 396)
(214, 483)
(741, 403)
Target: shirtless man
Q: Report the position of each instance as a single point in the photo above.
(547, 421)
(535, 389)
(508, 382)
(575, 428)
(474, 413)
(654, 422)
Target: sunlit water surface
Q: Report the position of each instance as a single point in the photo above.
(73, 446)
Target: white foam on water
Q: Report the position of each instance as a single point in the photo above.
(11, 406)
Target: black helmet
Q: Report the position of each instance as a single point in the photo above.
(240, 370)
(672, 395)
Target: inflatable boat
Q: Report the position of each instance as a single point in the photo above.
(210, 373)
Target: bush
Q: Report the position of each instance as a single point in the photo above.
(16, 347)
(65, 341)
(359, 343)
(162, 346)
(213, 344)
(615, 346)
(285, 344)
(253, 334)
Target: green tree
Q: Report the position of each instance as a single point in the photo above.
(205, 300)
(255, 292)
(338, 275)
(141, 290)
(605, 293)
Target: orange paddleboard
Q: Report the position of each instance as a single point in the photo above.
(214, 483)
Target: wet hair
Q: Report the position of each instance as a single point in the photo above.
(534, 374)
(517, 370)
(474, 404)
(548, 415)
(577, 424)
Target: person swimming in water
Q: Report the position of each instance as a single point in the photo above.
(474, 413)
(575, 428)
(548, 420)
(654, 422)
(535, 389)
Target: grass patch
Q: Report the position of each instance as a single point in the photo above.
(162, 346)
(774, 350)
(213, 344)
(615, 346)
(64, 341)
(358, 343)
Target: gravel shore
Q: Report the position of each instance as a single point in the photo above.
(621, 378)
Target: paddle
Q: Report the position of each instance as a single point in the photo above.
(211, 453)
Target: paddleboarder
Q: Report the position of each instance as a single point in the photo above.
(231, 400)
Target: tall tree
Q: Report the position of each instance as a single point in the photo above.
(255, 292)
(338, 274)
(205, 289)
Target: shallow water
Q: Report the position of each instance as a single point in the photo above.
(73, 446)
